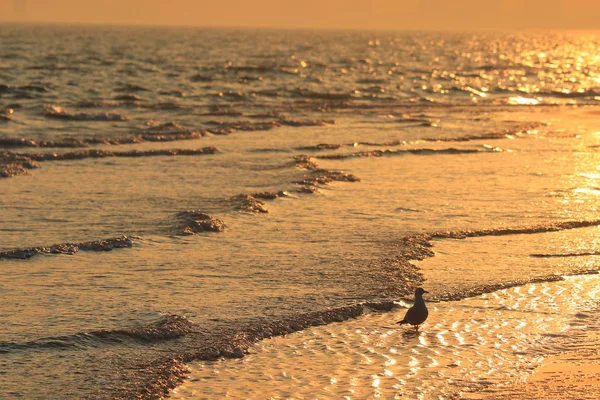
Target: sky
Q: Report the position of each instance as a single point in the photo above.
(328, 14)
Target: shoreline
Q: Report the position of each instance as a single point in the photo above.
(574, 375)
(470, 349)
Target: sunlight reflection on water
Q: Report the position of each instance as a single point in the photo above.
(465, 347)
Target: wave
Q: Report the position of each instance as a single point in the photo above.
(225, 128)
(200, 78)
(252, 68)
(9, 142)
(156, 132)
(127, 97)
(268, 150)
(32, 88)
(52, 111)
(222, 113)
(519, 131)
(323, 177)
(17, 142)
(131, 88)
(408, 209)
(166, 328)
(70, 248)
(560, 255)
(551, 227)
(270, 93)
(24, 92)
(319, 147)
(382, 153)
(82, 154)
(335, 146)
(167, 105)
(310, 94)
(192, 222)
(372, 81)
(5, 115)
(318, 176)
(578, 94)
(12, 164)
(165, 132)
(372, 97)
(383, 144)
(509, 133)
(418, 247)
(169, 131)
(94, 104)
(306, 122)
(172, 131)
(251, 203)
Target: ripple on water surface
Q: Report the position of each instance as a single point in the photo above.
(465, 350)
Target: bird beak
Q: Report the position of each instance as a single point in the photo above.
(425, 291)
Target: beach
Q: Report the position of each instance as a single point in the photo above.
(201, 213)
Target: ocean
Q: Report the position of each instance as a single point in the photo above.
(212, 213)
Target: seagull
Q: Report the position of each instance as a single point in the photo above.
(417, 314)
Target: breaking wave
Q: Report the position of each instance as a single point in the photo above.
(166, 328)
(423, 152)
(70, 248)
(53, 111)
(12, 164)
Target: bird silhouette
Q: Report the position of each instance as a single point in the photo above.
(418, 313)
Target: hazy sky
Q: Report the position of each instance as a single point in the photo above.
(355, 14)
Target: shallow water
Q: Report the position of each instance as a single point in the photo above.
(465, 349)
(429, 137)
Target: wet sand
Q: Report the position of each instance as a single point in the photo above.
(573, 375)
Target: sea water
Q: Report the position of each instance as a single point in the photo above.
(209, 188)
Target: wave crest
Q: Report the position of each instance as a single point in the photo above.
(53, 111)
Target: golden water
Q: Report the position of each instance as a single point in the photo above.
(501, 135)
(465, 349)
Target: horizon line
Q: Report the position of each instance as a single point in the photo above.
(295, 27)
